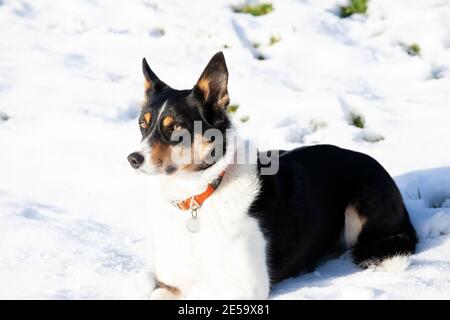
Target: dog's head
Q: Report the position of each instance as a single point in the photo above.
(183, 130)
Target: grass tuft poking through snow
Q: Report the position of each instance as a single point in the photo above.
(357, 120)
(255, 10)
(354, 6)
(244, 119)
(260, 56)
(317, 124)
(232, 108)
(413, 49)
(274, 39)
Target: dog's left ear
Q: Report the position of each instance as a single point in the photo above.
(212, 85)
(152, 83)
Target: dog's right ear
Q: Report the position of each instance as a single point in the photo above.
(212, 85)
(152, 84)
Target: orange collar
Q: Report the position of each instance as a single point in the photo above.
(195, 202)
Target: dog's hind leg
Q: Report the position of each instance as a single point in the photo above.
(387, 237)
(165, 292)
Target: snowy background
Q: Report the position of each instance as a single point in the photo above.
(75, 219)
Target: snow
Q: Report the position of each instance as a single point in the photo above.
(74, 218)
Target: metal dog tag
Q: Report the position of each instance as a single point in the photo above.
(193, 225)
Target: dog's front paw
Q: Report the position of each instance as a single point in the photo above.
(164, 294)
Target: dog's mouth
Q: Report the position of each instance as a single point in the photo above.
(162, 158)
(142, 163)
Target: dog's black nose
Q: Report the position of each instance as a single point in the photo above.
(135, 159)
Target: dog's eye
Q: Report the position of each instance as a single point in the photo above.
(145, 121)
(177, 127)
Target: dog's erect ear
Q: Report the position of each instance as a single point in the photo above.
(212, 85)
(152, 83)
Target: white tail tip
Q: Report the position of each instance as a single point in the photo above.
(394, 264)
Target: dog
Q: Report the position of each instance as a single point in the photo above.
(229, 231)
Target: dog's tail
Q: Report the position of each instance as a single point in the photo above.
(389, 253)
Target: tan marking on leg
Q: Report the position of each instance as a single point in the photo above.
(353, 226)
(173, 290)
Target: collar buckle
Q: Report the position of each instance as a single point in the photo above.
(194, 205)
(195, 202)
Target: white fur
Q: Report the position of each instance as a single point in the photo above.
(227, 258)
(148, 167)
(163, 107)
(162, 294)
(394, 264)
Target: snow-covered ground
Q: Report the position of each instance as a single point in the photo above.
(75, 219)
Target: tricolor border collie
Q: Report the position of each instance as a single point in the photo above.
(232, 227)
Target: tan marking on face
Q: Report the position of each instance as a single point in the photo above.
(160, 154)
(354, 223)
(199, 150)
(147, 117)
(173, 290)
(168, 121)
(203, 84)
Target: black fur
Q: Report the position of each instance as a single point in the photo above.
(301, 209)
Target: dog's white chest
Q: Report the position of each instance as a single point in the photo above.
(184, 256)
(227, 242)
